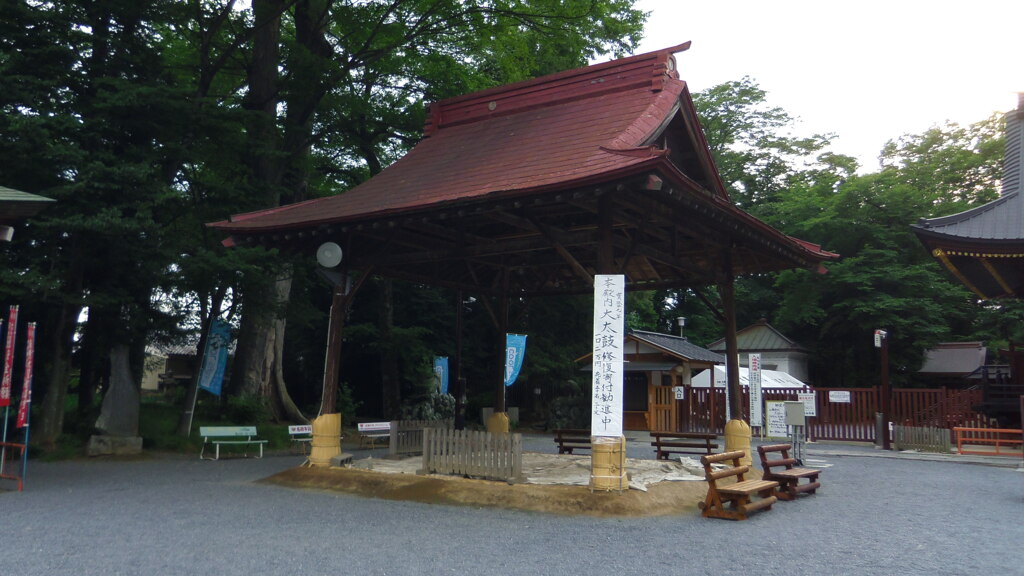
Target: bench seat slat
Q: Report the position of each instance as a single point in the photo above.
(748, 487)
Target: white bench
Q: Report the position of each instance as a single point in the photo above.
(373, 431)
(301, 435)
(237, 435)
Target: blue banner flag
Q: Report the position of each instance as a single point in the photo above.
(441, 372)
(215, 359)
(515, 349)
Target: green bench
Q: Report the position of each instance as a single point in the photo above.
(229, 435)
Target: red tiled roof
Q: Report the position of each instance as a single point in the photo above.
(562, 130)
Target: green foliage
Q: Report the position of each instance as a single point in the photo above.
(755, 154)
(247, 410)
(433, 406)
(571, 406)
(346, 405)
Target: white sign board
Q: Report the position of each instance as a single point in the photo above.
(776, 413)
(810, 400)
(880, 337)
(680, 392)
(754, 381)
(609, 333)
(839, 396)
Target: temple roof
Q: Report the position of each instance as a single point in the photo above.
(984, 246)
(557, 131)
(510, 186)
(760, 337)
(996, 222)
(678, 346)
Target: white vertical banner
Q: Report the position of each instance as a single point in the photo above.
(728, 394)
(754, 383)
(609, 326)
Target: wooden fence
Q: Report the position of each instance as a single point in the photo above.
(473, 453)
(925, 439)
(407, 435)
(703, 410)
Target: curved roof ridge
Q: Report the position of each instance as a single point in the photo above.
(652, 70)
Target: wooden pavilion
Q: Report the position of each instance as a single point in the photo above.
(984, 249)
(532, 189)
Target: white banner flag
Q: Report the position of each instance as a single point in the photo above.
(754, 377)
(609, 326)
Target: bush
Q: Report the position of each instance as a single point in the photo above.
(431, 407)
(571, 409)
(247, 409)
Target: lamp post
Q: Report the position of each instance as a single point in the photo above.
(882, 342)
(682, 326)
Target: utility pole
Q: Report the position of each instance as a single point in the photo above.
(882, 342)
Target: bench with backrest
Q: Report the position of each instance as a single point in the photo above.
(784, 471)
(569, 439)
(668, 443)
(301, 436)
(733, 501)
(370, 432)
(229, 435)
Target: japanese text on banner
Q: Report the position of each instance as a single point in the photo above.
(609, 324)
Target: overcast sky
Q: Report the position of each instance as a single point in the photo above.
(866, 70)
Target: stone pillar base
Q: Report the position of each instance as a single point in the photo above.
(100, 445)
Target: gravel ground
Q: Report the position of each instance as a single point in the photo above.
(168, 515)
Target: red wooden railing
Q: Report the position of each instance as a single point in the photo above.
(703, 410)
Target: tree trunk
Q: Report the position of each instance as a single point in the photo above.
(119, 415)
(258, 370)
(59, 343)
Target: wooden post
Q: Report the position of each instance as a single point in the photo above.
(732, 359)
(886, 403)
(460, 385)
(341, 299)
(499, 405)
(335, 327)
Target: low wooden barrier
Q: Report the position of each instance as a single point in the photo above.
(473, 453)
(407, 435)
(925, 439)
(998, 437)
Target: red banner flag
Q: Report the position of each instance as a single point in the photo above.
(5, 384)
(26, 385)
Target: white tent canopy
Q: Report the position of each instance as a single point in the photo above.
(769, 379)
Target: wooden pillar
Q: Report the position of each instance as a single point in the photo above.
(341, 300)
(499, 402)
(460, 384)
(605, 250)
(332, 363)
(732, 361)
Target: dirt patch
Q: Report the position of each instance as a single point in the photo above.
(660, 499)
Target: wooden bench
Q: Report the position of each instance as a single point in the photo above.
(302, 437)
(370, 432)
(739, 495)
(569, 439)
(231, 435)
(667, 443)
(788, 476)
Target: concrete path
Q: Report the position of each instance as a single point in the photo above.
(171, 515)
